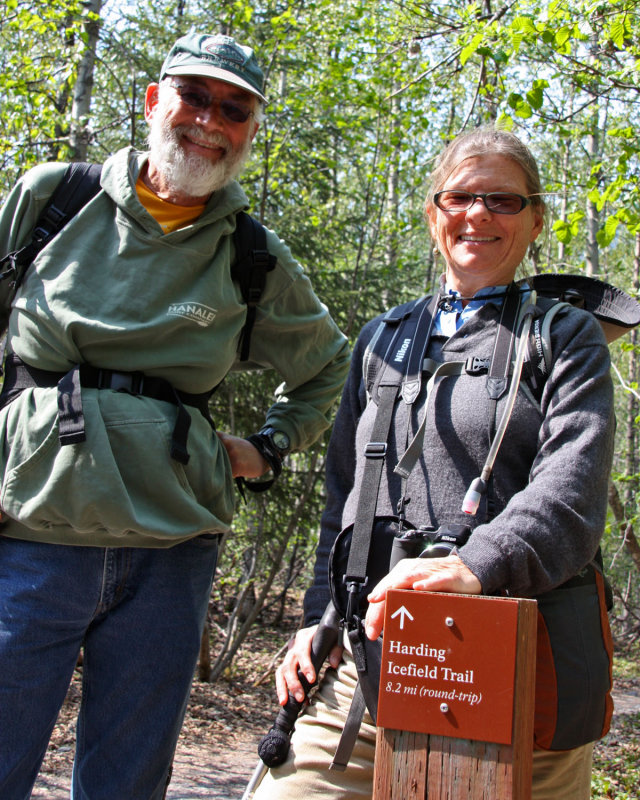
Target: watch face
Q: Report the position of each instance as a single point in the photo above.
(281, 440)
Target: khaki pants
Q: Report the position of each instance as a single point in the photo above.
(306, 774)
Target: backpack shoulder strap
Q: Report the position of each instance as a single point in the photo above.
(395, 360)
(252, 262)
(539, 356)
(395, 352)
(392, 363)
(80, 182)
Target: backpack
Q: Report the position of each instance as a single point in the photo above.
(79, 184)
(573, 704)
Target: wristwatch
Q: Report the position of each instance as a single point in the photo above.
(278, 439)
(273, 445)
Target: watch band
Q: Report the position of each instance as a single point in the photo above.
(265, 447)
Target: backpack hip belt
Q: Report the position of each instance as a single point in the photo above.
(71, 430)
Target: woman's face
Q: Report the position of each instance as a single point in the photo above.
(482, 248)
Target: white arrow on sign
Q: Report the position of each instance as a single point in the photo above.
(402, 612)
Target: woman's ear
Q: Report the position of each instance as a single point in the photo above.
(538, 224)
(430, 215)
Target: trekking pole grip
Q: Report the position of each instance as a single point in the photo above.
(274, 746)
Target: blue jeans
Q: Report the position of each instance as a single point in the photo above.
(139, 614)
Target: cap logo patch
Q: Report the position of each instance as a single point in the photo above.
(223, 52)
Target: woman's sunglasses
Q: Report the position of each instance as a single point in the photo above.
(496, 202)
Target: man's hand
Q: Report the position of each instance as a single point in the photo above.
(422, 574)
(246, 461)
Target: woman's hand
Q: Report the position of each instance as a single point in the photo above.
(246, 460)
(299, 658)
(422, 574)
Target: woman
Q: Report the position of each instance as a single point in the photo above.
(539, 523)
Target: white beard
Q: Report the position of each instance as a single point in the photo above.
(190, 174)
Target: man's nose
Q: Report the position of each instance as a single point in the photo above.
(211, 116)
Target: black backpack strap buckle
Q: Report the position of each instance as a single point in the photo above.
(11, 273)
(477, 366)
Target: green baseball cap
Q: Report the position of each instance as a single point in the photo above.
(215, 56)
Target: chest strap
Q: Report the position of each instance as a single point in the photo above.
(71, 430)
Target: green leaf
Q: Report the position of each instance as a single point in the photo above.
(524, 24)
(470, 49)
(594, 196)
(617, 34)
(515, 99)
(607, 233)
(535, 97)
(562, 231)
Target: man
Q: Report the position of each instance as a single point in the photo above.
(121, 327)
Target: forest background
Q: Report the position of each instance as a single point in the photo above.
(362, 96)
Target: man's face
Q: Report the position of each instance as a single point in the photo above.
(197, 139)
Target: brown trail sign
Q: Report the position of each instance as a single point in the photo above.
(455, 709)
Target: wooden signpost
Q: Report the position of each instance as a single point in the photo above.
(455, 709)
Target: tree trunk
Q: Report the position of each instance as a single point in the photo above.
(629, 538)
(204, 661)
(80, 134)
(392, 200)
(632, 466)
(593, 215)
(566, 151)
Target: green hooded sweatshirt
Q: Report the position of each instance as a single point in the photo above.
(113, 291)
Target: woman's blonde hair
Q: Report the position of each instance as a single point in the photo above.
(486, 141)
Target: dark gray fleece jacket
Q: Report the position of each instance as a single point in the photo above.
(549, 485)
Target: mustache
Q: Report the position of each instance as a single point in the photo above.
(195, 132)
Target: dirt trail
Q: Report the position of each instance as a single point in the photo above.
(200, 771)
(219, 766)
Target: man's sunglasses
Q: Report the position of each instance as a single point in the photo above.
(230, 110)
(496, 202)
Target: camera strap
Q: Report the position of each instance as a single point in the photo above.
(401, 367)
(401, 373)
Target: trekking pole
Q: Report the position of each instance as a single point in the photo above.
(274, 746)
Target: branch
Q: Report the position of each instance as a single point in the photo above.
(424, 74)
(624, 385)
(276, 658)
(475, 96)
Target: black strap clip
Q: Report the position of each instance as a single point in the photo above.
(354, 587)
(11, 272)
(129, 382)
(477, 366)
